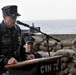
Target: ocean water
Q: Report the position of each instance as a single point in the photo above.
(53, 26)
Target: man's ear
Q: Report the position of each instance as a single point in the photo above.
(4, 17)
(24, 46)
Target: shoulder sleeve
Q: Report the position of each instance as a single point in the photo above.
(0, 37)
(3, 59)
(37, 55)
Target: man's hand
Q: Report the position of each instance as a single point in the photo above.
(31, 56)
(12, 61)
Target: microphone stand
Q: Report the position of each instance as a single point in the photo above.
(47, 36)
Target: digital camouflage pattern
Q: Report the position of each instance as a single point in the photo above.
(10, 41)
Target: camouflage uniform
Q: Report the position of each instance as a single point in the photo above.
(10, 42)
(35, 53)
(10, 38)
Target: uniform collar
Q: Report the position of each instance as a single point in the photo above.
(5, 27)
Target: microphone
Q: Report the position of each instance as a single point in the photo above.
(18, 22)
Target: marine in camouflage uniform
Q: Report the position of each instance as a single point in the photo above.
(10, 41)
(29, 47)
(10, 38)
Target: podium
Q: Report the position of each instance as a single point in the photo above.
(41, 66)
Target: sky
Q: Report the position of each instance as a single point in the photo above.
(43, 9)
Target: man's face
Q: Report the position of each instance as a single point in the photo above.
(9, 21)
(28, 47)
